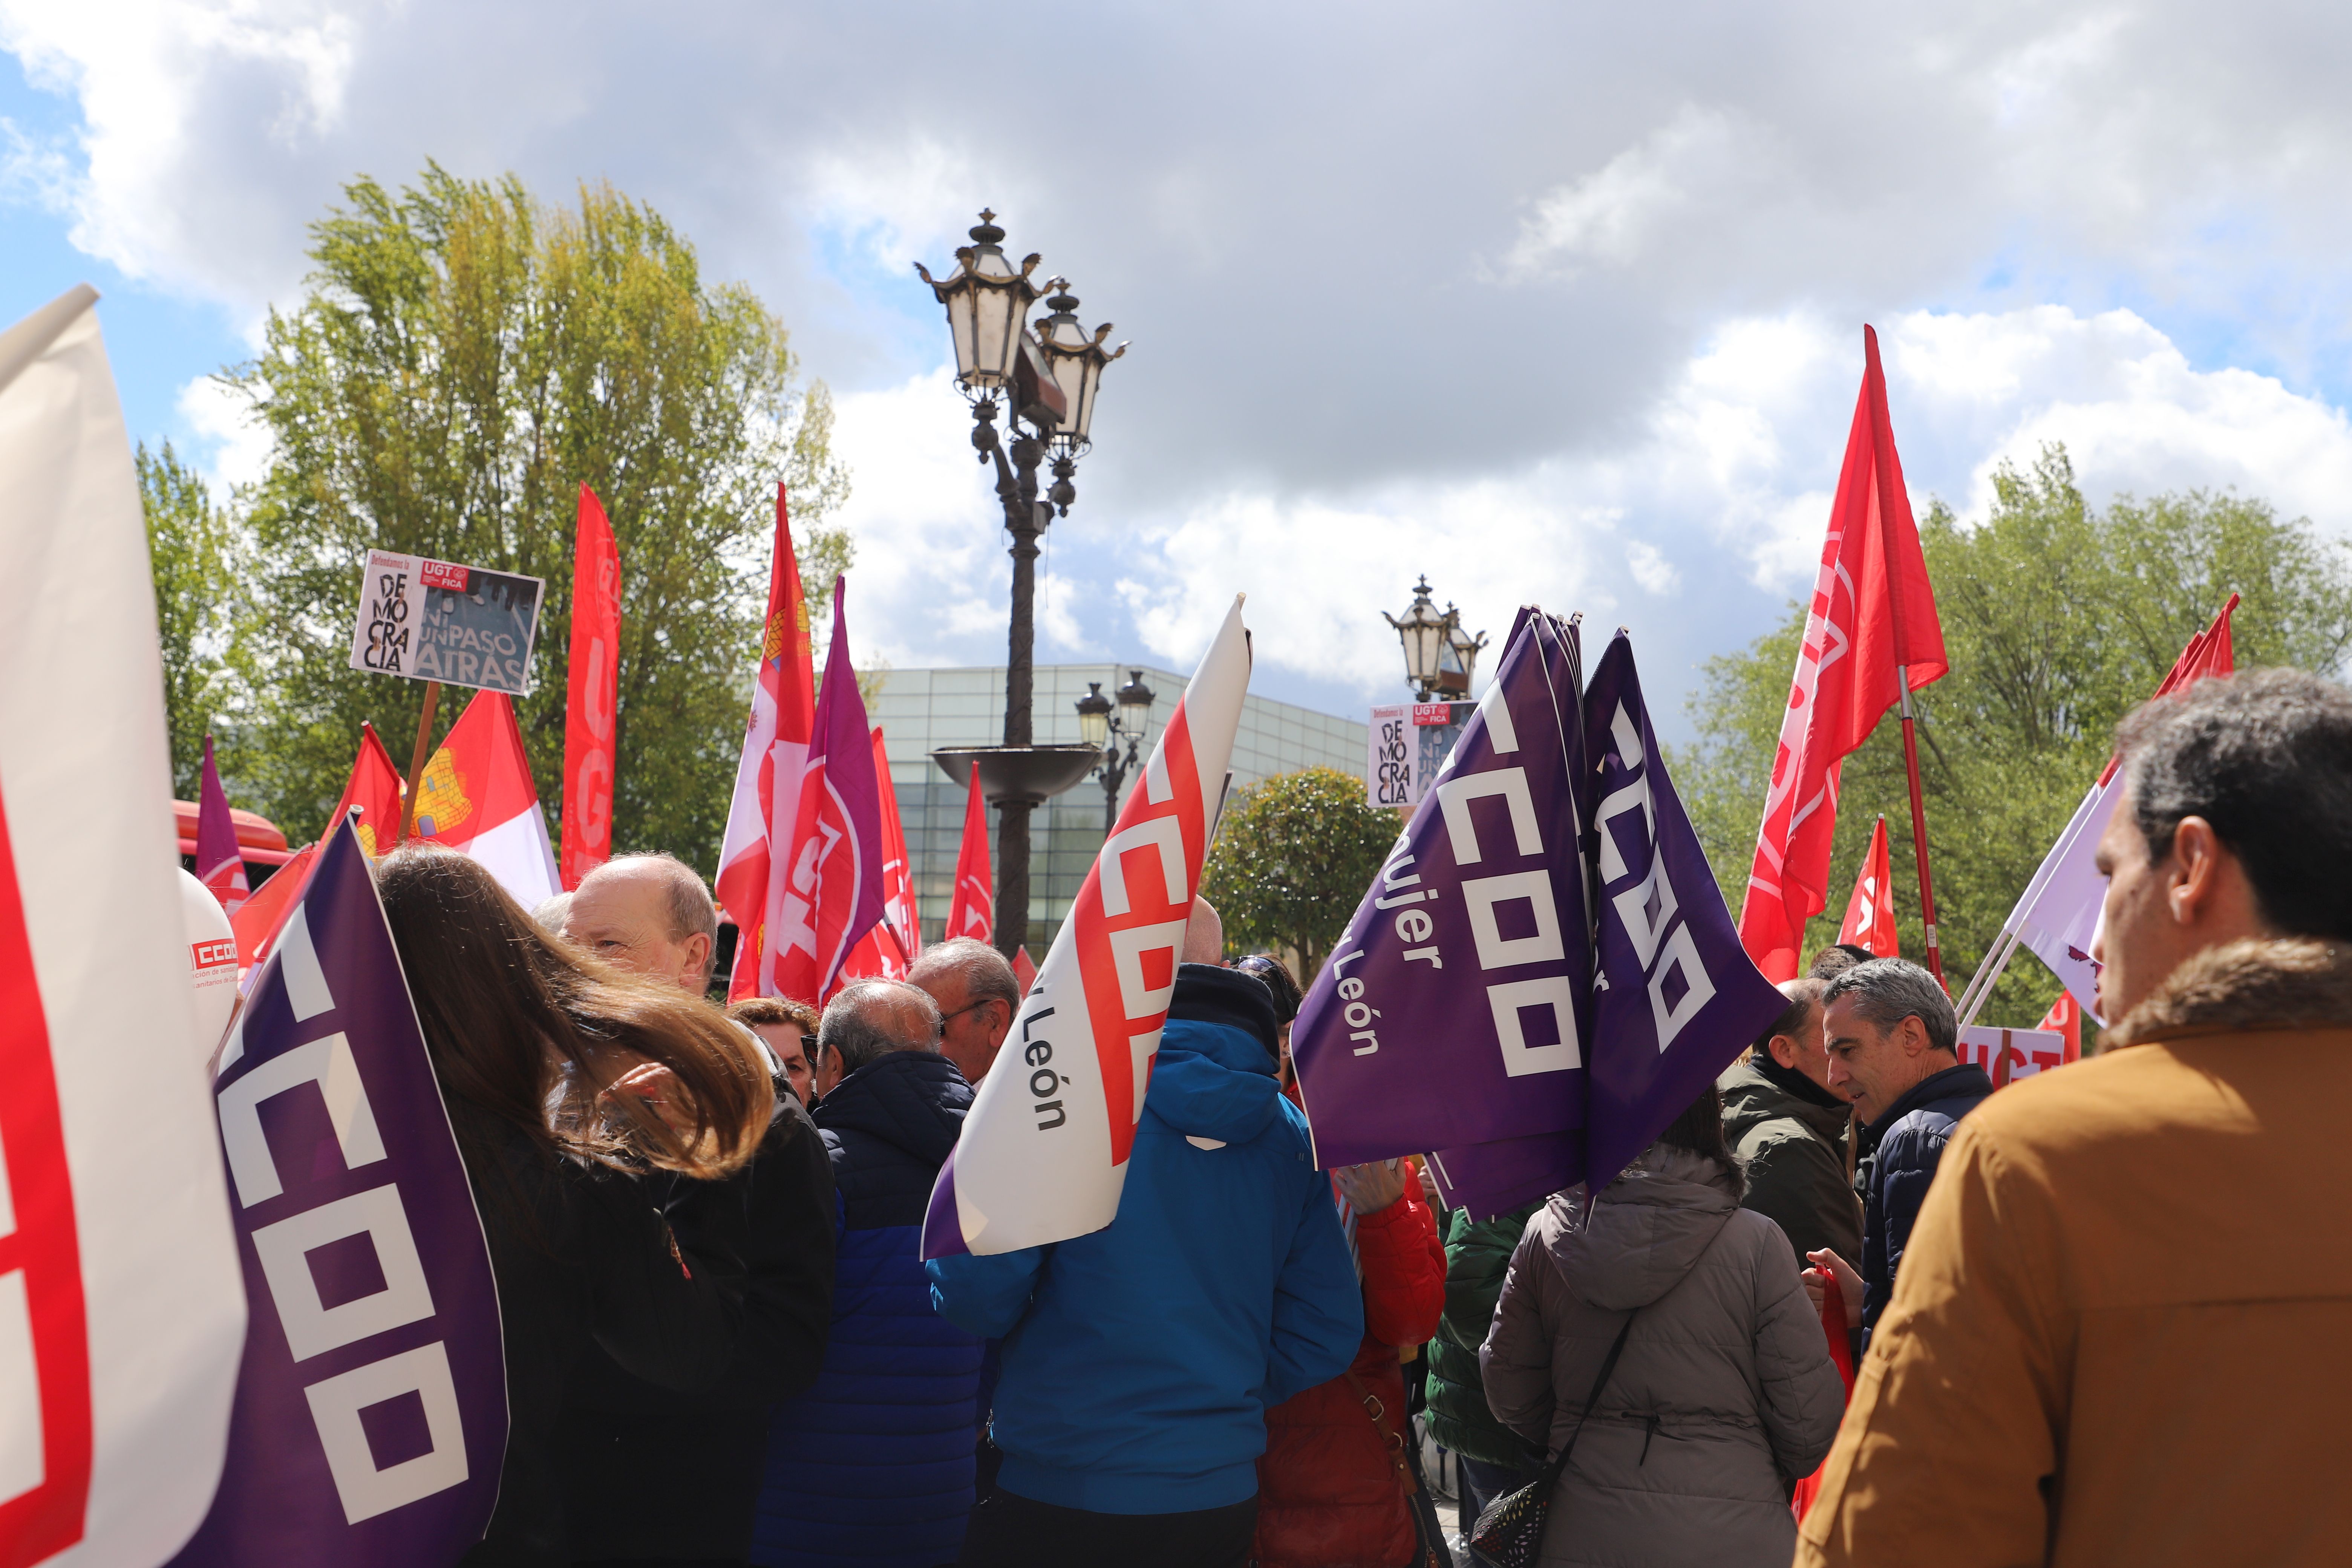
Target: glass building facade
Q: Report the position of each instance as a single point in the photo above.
(922, 710)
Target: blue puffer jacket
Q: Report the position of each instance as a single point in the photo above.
(1894, 1176)
(873, 1465)
(1138, 1361)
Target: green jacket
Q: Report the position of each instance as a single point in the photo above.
(1477, 1257)
(1795, 1153)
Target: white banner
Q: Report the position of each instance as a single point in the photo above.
(122, 1311)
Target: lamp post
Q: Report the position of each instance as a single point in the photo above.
(1045, 385)
(1101, 728)
(1440, 657)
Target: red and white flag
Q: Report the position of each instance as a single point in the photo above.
(2065, 1017)
(1871, 624)
(220, 864)
(890, 949)
(1043, 1153)
(121, 1298)
(595, 689)
(477, 798)
(2058, 916)
(376, 787)
(766, 802)
(830, 894)
(972, 912)
(1870, 914)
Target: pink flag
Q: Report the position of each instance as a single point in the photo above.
(775, 750)
(219, 866)
(833, 892)
(890, 949)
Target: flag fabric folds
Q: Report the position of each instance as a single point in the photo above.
(2058, 915)
(972, 912)
(891, 947)
(1679, 999)
(591, 695)
(1469, 962)
(1870, 914)
(122, 1311)
(831, 891)
(376, 787)
(766, 802)
(1024, 969)
(1872, 614)
(477, 796)
(1042, 1155)
(371, 1415)
(2065, 1019)
(220, 865)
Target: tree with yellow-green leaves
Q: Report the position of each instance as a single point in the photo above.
(464, 357)
(1292, 861)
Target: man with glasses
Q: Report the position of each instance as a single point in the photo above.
(977, 998)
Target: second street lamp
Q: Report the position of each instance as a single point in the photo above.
(1440, 657)
(1046, 390)
(1103, 730)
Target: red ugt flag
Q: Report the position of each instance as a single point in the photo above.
(972, 912)
(775, 751)
(1873, 613)
(1870, 914)
(594, 691)
(890, 949)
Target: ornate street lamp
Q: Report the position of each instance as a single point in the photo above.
(1103, 730)
(1047, 392)
(1459, 662)
(1425, 636)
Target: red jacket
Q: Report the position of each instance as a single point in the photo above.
(1327, 1493)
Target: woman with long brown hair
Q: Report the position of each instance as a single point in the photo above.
(565, 1081)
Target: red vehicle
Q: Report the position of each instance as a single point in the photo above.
(259, 842)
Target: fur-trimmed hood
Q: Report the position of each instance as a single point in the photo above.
(2283, 982)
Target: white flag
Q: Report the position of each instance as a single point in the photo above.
(1042, 1155)
(121, 1308)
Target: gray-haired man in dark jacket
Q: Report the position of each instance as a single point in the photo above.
(1892, 1041)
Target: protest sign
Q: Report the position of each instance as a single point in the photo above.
(370, 1421)
(437, 620)
(1407, 745)
(2010, 1053)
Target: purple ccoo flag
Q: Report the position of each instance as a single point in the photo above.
(1677, 997)
(1457, 1008)
(371, 1417)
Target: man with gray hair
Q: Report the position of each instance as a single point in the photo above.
(1892, 1038)
(977, 997)
(874, 1464)
(650, 914)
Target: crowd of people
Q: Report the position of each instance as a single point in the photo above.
(2092, 1318)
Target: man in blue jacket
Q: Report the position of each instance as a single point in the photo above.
(1894, 1043)
(1140, 1361)
(873, 1465)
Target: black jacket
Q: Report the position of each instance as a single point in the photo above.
(583, 1266)
(874, 1464)
(655, 1473)
(1902, 1149)
(1794, 1150)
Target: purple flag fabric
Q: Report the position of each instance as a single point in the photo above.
(220, 865)
(834, 893)
(371, 1419)
(1677, 998)
(1457, 1008)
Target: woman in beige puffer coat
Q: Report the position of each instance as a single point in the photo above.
(1724, 1394)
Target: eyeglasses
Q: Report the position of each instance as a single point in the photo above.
(808, 1046)
(967, 1007)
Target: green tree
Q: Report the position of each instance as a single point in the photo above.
(190, 544)
(1292, 861)
(2058, 620)
(463, 358)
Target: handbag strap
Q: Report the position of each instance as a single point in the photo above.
(1553, 1470)
(1407, 1482)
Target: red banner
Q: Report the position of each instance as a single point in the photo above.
(595, 686)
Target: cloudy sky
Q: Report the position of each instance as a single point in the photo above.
(1557, 303)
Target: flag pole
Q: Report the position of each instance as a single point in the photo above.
(1920, 828)
(418, 757)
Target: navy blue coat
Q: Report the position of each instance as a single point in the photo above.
(874, 1464)
(1894, 1177)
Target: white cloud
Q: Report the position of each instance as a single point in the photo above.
(239, 446)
